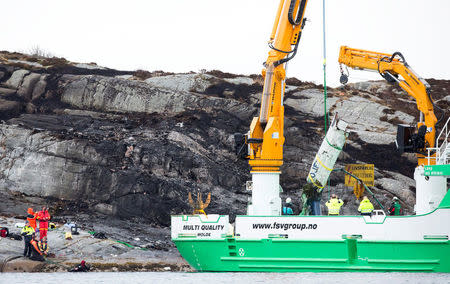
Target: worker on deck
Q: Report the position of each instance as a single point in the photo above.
(396, 208)
(334, 205)
(36, 253)
(287, 208)
(365, 207)
(43, 217)
(43, 246)
(31, 217)
(27, 233)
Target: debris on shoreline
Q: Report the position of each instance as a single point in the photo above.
(101, 254)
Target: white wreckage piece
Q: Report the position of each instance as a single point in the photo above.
(328, 153)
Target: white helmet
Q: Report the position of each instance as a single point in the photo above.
(288, 200)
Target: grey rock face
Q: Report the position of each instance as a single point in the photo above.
(128, 148)
(82, 159)
(183, 82)
(117, 95)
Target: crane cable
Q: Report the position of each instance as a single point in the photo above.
(325, 81)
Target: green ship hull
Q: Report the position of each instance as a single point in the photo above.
(425, 246)
(284, 255)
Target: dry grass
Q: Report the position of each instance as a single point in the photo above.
(142, 74)
(37, 51)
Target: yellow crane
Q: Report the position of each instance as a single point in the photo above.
(394, 68)
(265, 139)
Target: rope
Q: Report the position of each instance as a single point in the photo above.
(57, 263)
(120, 242)
(324, 70)
(6, 260)
(358, 179)
(331, 145)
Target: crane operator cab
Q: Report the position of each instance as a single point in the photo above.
(410, 141)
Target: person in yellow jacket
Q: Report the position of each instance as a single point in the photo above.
(27, 233)
(365, 207)
(334, 205)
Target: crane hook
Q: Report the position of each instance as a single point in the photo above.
(344, 78)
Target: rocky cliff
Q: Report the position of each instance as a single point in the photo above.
(133, 144)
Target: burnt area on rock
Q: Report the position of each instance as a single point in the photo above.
(155, 197)
(384, 157)
(240, 92)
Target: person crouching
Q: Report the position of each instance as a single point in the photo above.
(43, 246)
(36, 253)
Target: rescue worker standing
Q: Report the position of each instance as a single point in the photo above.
(31, 217)
(396, 208)
(365, 207)
(27, 233)
(43, 217)
(334, 205)
(287, 209)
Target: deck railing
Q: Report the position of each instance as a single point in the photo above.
(442, 156)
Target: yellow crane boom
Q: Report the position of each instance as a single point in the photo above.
(265, 139)
(394, 68)
(266, 136)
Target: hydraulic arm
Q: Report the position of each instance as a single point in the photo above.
(265, 139)
(394, 68)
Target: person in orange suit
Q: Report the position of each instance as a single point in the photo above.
(31, 218)
(43, 217)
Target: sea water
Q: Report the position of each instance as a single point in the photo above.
(215, 278)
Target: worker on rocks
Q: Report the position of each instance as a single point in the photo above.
(334, 205)
(287, 208)
(82, 267)
(27, 233)
(31, 217)
(365, 207)
(43, 217)
(396, 208)
(36, 253)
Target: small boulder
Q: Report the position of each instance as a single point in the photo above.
(16, 78)
(30, 108)
(39, 88)
(9, 108)
(27, 86)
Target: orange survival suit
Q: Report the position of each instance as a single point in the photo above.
(31, 218)
(43, 217)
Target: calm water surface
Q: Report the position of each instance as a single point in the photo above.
(206, 278)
